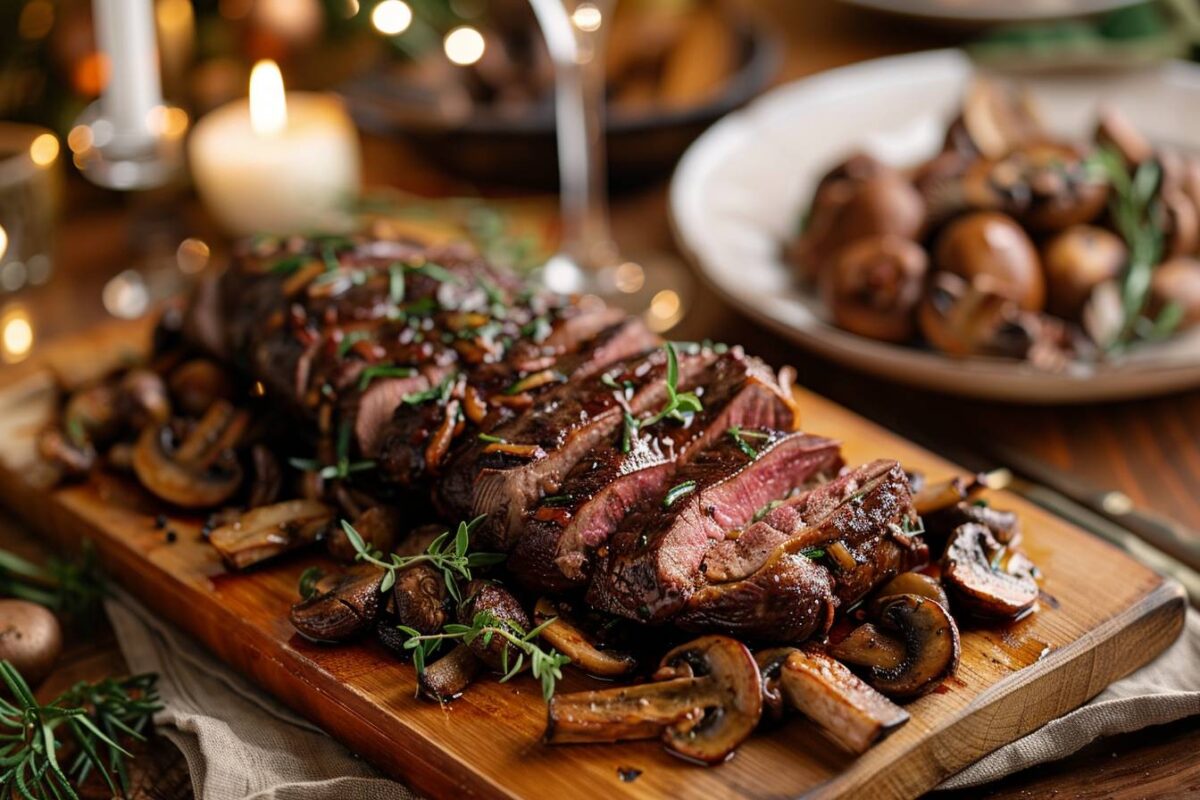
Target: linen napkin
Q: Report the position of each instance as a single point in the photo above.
(242, 745)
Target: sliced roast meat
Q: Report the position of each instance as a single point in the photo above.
(554, 551)
(829, 559)
(504, 479)
(652, 563)
(373, 407)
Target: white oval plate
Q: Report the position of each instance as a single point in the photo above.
(983, 11)
(740, 188)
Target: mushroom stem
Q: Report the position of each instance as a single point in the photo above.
(565, 636)
(624, 713)
(217, 431)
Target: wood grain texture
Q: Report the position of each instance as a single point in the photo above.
(1108, 615)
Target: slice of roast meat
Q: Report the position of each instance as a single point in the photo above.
(652, 564)
(554, 553)
(782, 578)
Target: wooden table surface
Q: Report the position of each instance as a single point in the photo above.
(1148, 449)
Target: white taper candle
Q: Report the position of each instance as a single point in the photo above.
(125, 36)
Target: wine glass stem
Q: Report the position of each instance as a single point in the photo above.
(578, 57)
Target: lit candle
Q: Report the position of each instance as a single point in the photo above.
(278, 163)
(132, 92)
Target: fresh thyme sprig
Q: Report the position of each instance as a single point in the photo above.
(447, 554)
(96, 715)
(341, 469)
(1134, 207)
(73, 588)
(545, 665)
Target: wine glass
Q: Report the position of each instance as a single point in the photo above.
(588, 260)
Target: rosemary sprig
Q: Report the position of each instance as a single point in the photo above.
(813, 552)
(679, 404)
(545, 665)
(1134, 207)
(675, 493)
(73, 588)
(447, 554)
(96, 715)
(740, 436)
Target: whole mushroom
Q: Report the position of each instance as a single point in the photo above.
(1177, 282)
(874, 285)
(30, 638)
(961, 320)
(993, 253)
(1078, 260)
(705, 700)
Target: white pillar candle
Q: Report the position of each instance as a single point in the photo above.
(277, 163)
(133, 91)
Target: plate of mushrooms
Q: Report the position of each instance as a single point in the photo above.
(1033, 241)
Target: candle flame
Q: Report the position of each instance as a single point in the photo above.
(268, 104)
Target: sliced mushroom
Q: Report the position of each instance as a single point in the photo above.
(565, 636)
(848, 711)
(266, 532)
(343, 611)
(930, 642)
(74, 459)
(916, 583)
(705, 700)
(960, 319)
(939, 525)
(201, 471)
(998, 119)
(984, 577)
(945, 494)
(377, 526)
(1117, 131)
(449, 676)
(867, 644)
(142, 398)
(873, 286)
(92, 414)
(486, 596)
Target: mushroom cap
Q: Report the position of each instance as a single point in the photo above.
(179, 483)
(917, 583)
(873, 286)
(930, 641)
(481, 595)
(733, 685)
(980, 586)
(344, 611)
(1177, 281)
(993, 253)
(1077, 260)
(960, 320)
(30, 638)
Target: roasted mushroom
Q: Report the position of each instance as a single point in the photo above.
(848, 711)
(1077, 261)
(92, 414)
(861, 197)
(421, 599)
(915, 583)
(940, 524)
(201, 471)
(449, 676)
(993, 254)
(705, 700)
(30, 638)
(142, 399)
(946, 493)
(984, 577)
(481, 596)
(565, 636)
(1116, 131)
(267, 478)
(377, 526)
(266, 532)
(873, 286)
(73, 458)
(343, 611)
(962, 320)
(915, 649)
(1177, 282)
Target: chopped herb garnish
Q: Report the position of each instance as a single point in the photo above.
(767, 509)
(349, 340)
(629, 432)
(330, 258)
(396, 283)
(740, 436)
(813, 552)
(288, 265)
(383, 371)
(440, 392)
(678, 491)
(487, 437)
(558, 500)
(679, 404)
(308, 581)
(437, 272)
(538, 329)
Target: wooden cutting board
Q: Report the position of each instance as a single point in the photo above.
(1103, 616)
